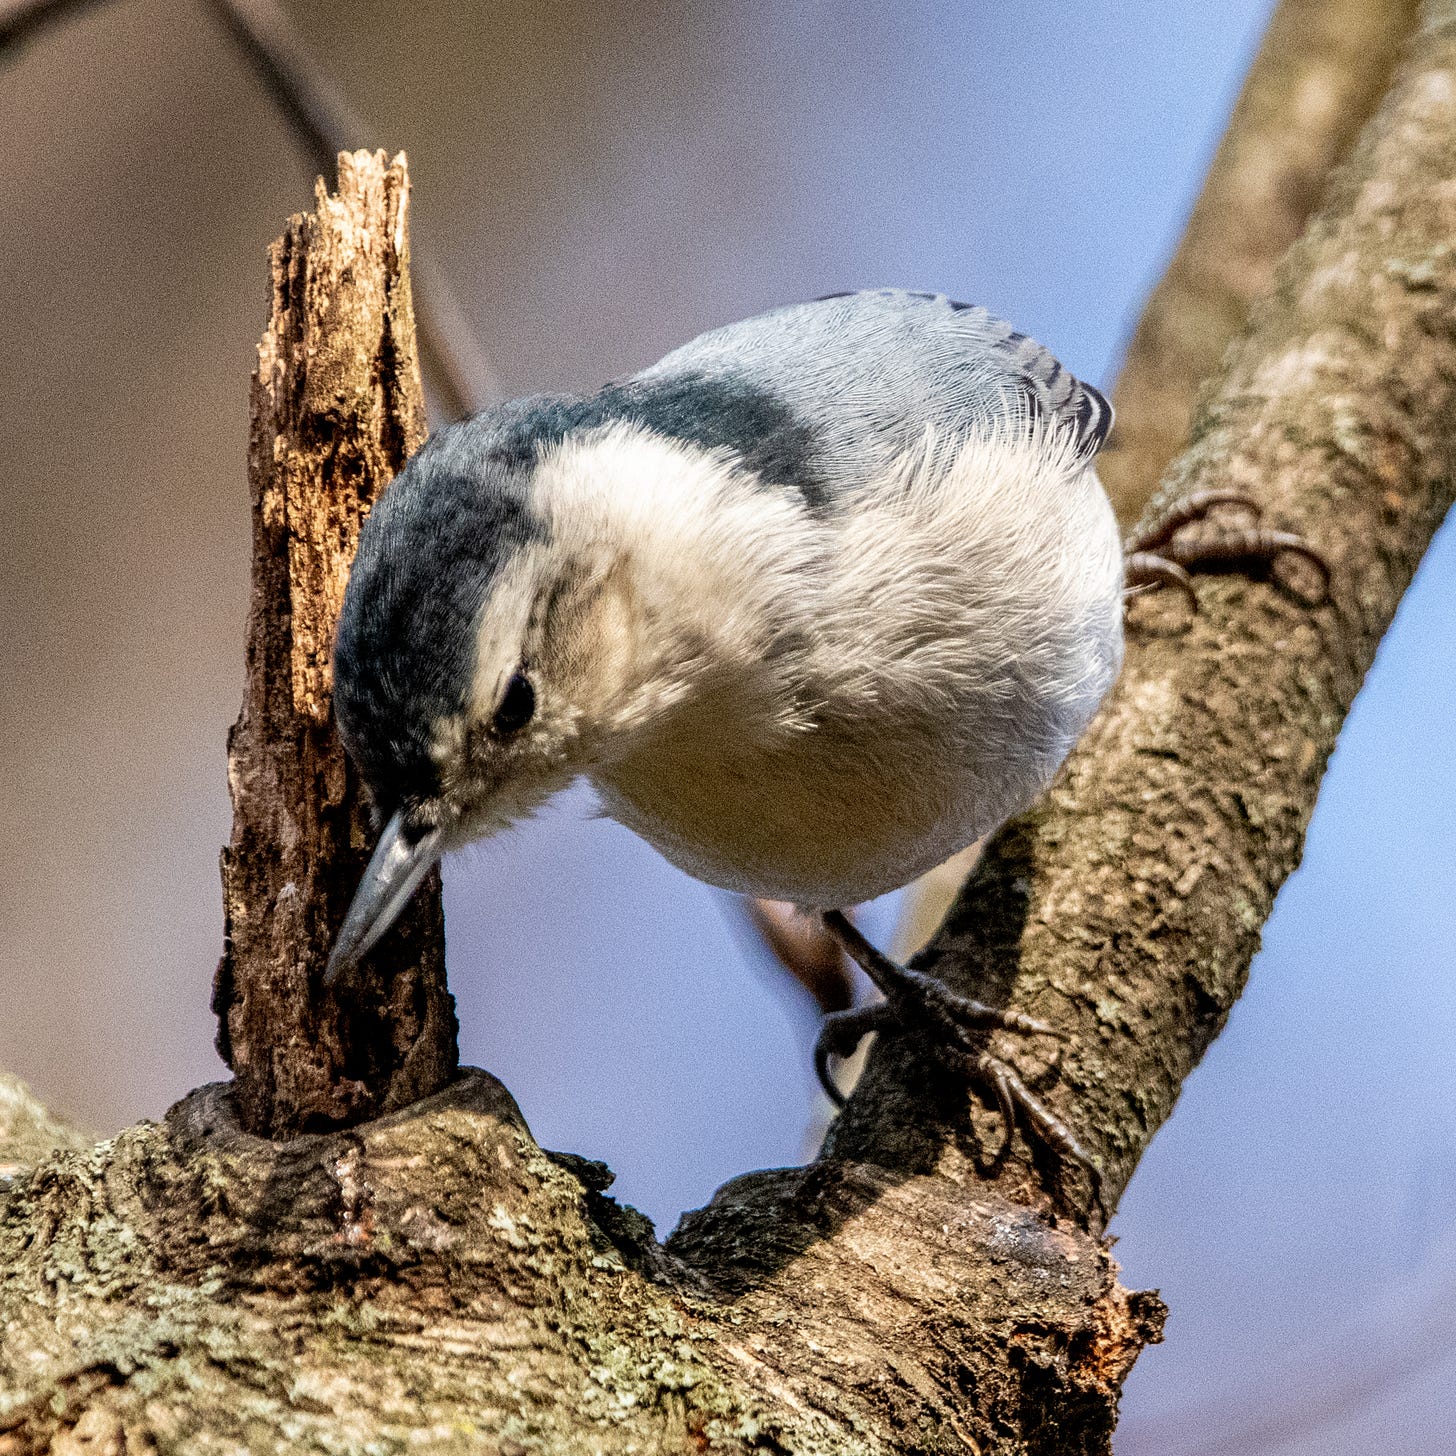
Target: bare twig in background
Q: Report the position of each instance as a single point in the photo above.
(336, 411)
(455, 368)
(454, 365)
(22, 20)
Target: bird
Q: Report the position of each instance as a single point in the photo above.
(814, 602)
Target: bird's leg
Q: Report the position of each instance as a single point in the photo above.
(913, 998)
(1158, 555)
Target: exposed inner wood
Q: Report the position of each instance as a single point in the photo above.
(337, 408)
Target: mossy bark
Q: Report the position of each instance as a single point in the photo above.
(432, 1281)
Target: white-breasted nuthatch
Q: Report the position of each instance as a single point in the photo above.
(814, 602)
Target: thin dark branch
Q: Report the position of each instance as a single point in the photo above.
(23, 20)
(457, 372)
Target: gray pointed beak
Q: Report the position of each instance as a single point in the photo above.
(401, 859)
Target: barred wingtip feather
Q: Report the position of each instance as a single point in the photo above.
(1050, 389)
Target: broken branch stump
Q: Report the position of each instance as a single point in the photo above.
(337, 409)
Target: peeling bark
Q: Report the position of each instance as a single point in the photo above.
(433, 1281)
(337, 409)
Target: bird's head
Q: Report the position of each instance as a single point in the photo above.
(481, 661)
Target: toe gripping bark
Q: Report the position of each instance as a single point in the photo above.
(1168, 551)
(956, 1025)
(1181, 541)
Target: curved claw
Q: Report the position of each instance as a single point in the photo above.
(1147, 569)
(1190, 509)
(1019, 1021)
(839, 1035)
(956, 1024)
(967, 1021)
(1288, 544)
(822, 1053)
(1049, 1127)
(995, 1074)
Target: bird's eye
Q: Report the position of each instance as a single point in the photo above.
(517, 706)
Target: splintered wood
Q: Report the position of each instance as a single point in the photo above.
(337, 408)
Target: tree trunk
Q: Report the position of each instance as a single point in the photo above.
(432, 1281)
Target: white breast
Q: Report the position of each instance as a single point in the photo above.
(964, 623)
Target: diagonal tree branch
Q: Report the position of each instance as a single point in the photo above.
(1126, 908)
(1321, 70)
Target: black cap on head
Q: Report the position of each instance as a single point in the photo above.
(404, 654)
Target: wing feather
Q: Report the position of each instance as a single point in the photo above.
(855, 379)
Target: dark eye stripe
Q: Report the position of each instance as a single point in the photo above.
(517, 705)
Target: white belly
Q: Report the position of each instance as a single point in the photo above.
(951, 664)
(819, 826)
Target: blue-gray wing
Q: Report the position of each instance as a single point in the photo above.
(823, 395)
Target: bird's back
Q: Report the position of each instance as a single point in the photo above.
(858, 378)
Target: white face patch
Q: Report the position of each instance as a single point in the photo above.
(715, 564)
(501, 632)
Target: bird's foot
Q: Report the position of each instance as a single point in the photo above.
(1165, 553)
(955, 1026)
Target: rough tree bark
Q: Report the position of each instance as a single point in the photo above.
(27, 1131)
(337, 409)
(1321, 68)
(433, 1281)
